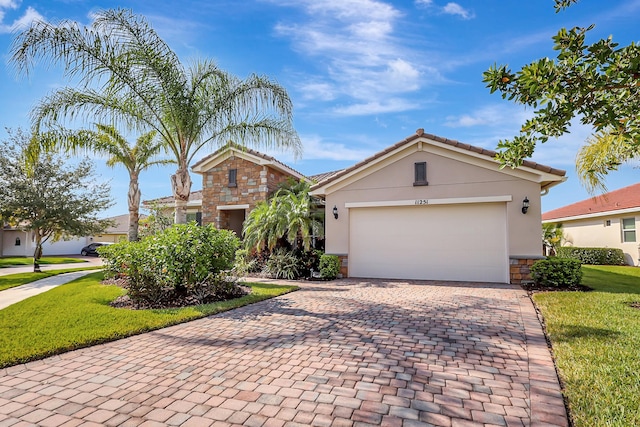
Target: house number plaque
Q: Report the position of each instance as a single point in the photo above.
(422, 202)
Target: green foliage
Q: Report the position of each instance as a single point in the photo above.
(593, 256)
(49, 198)
(78, 315)
(244, 263)
(282, 264)
(597, 83)
(329, 266)
(144, 86)
(185, 262)
(557, 272)
(289, 215)
(595, 337)
(156, 221)
(552, 236)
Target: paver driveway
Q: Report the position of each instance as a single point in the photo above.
(348, 353)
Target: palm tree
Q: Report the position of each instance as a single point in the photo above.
(143, 85)
(109, 142)
(603, 152)
(289, 214)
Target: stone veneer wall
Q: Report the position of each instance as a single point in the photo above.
(520, 269)
(254, 183)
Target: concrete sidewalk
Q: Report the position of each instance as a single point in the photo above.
(19, 293)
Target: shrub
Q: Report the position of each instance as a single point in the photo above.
(183, 263)
(557, 272)
(282, 264)
(329, 266)
(594, 256)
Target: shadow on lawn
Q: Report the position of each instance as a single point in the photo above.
(611, 282)
(568, 333)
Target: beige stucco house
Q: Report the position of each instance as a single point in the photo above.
(606, 221)
(432, 208)
(424, 208)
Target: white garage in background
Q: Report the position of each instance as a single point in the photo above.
(429, 208)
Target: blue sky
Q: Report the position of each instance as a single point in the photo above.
(363, 74)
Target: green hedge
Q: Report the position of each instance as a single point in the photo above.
(593, 256)
(329, 266)
(557, 272)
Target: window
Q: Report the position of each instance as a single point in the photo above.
(195, 216)
(607, 223)
(233, 175)
(420, 169)
(628, 229)
(17, 241)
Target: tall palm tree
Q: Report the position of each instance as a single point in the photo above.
(109, 142)
(141, 83)
(602, 153)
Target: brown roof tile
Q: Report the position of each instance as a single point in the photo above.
(624, 198)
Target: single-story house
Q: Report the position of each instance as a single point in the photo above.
(606, 221)
(424, 208)
(432, 208)
(16, 242)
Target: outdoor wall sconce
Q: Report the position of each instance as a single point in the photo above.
(525, 205)
(335, 212)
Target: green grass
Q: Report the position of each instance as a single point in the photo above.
(13, 280)
(596, 343)
(78, 315)
(12, 261)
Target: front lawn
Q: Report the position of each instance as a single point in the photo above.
(18, 279)
(596, 343)
(78, 314)
(13, 261)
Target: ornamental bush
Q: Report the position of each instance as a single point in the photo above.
(184, 264)
(557, 272)
(593, 256)
(282, 264)
(329, 266)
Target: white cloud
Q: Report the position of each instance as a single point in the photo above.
(376, 107)
(490, 115)
(315, 148)
(424, 2)
(20, 23)
(359, 50)
(456, 9)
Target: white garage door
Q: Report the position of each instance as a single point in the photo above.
(430, 242)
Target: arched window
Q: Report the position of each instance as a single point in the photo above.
(17, 241)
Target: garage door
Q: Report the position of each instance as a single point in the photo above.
(429, 242)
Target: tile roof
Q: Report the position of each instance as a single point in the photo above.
(420, 133)
(624, 198)
(322, 176)
(248, 151)
(121, 224)
(195, 195)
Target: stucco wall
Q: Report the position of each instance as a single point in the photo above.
(593, 233)
(447, 178)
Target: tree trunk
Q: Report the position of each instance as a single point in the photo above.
(181, 187)
(37, 254)
(134, 207)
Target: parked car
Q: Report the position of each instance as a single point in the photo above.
(91, 249)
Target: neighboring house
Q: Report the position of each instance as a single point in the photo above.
(432, 208)
(424, 208)
(116, 233)
(15, 242)
(606, 221)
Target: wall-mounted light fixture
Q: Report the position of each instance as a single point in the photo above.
(335, 212)
(525, 205)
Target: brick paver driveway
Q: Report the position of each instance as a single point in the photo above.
(348, 353)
